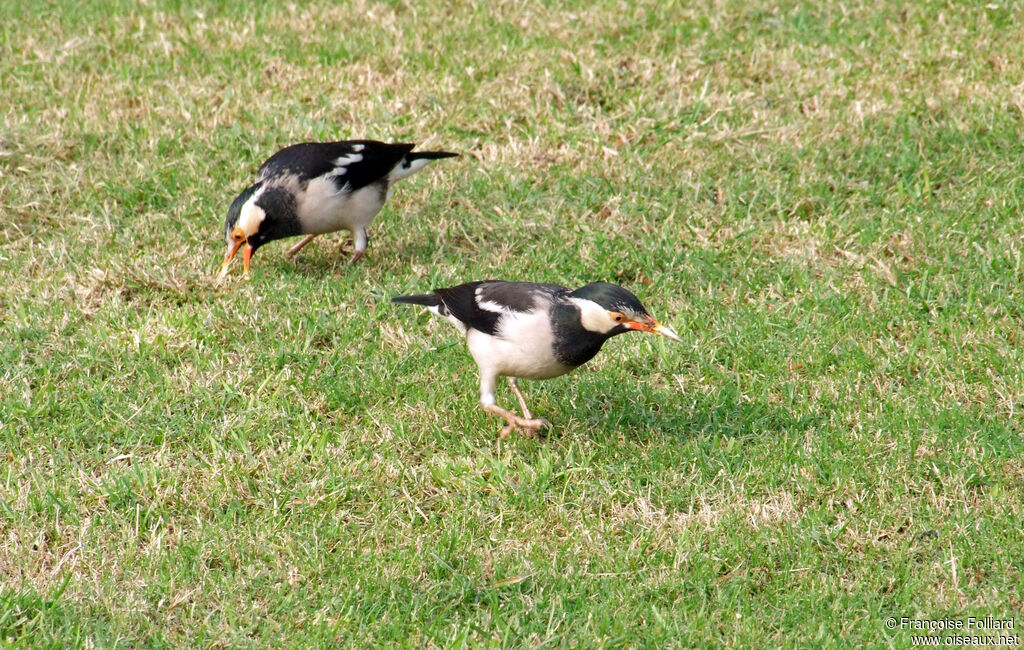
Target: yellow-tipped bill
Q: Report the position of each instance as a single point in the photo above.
(227, 259)
(666, 332)
(654, 327)
(246, 258)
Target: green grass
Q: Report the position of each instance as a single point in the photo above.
(824, 200)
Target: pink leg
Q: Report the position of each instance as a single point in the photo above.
(513, 383)
(361, 239)
(298, 247)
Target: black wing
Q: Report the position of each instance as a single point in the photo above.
(481, 305)
(355, 163)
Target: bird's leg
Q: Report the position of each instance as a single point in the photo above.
(528, 426)
(361, 240)
(297, 247)
(513, 383)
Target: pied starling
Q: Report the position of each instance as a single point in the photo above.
(315, 188)
(534, 331)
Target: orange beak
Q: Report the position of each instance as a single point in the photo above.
(227, 259)
(654, 327)
(246, 257)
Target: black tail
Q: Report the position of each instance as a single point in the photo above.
(428, 300)
(430, 155)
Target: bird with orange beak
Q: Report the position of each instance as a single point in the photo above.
(314, 188)
(534, 331)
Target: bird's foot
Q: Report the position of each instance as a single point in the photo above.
(529, 427)
(356, 257)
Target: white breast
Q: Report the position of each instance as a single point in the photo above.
(522, 348)
(324, 208)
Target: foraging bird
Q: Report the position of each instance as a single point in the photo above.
(534, 331)
(315, 188)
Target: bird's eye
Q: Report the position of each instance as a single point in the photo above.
(618, 319)
(237, 235)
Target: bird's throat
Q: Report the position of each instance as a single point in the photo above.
(574, 344)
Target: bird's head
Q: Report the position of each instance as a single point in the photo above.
(609, 309)
(251, 222)
(242, 227)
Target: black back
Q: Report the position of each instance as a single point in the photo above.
(309, 160)
(461, 303)
(481, 305)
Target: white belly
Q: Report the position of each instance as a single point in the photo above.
(522, 348)
(326, 209)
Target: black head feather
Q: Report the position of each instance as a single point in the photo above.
(236, 207)
(280, 221)
(612, 297)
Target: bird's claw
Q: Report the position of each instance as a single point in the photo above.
(528, 427)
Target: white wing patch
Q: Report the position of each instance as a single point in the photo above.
(341, 163)
(495, 307)
(348, 159)
(490, 305)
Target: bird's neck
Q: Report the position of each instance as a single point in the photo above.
(574, 344)
(281, 220)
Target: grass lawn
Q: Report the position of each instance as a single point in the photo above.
(823, 199)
